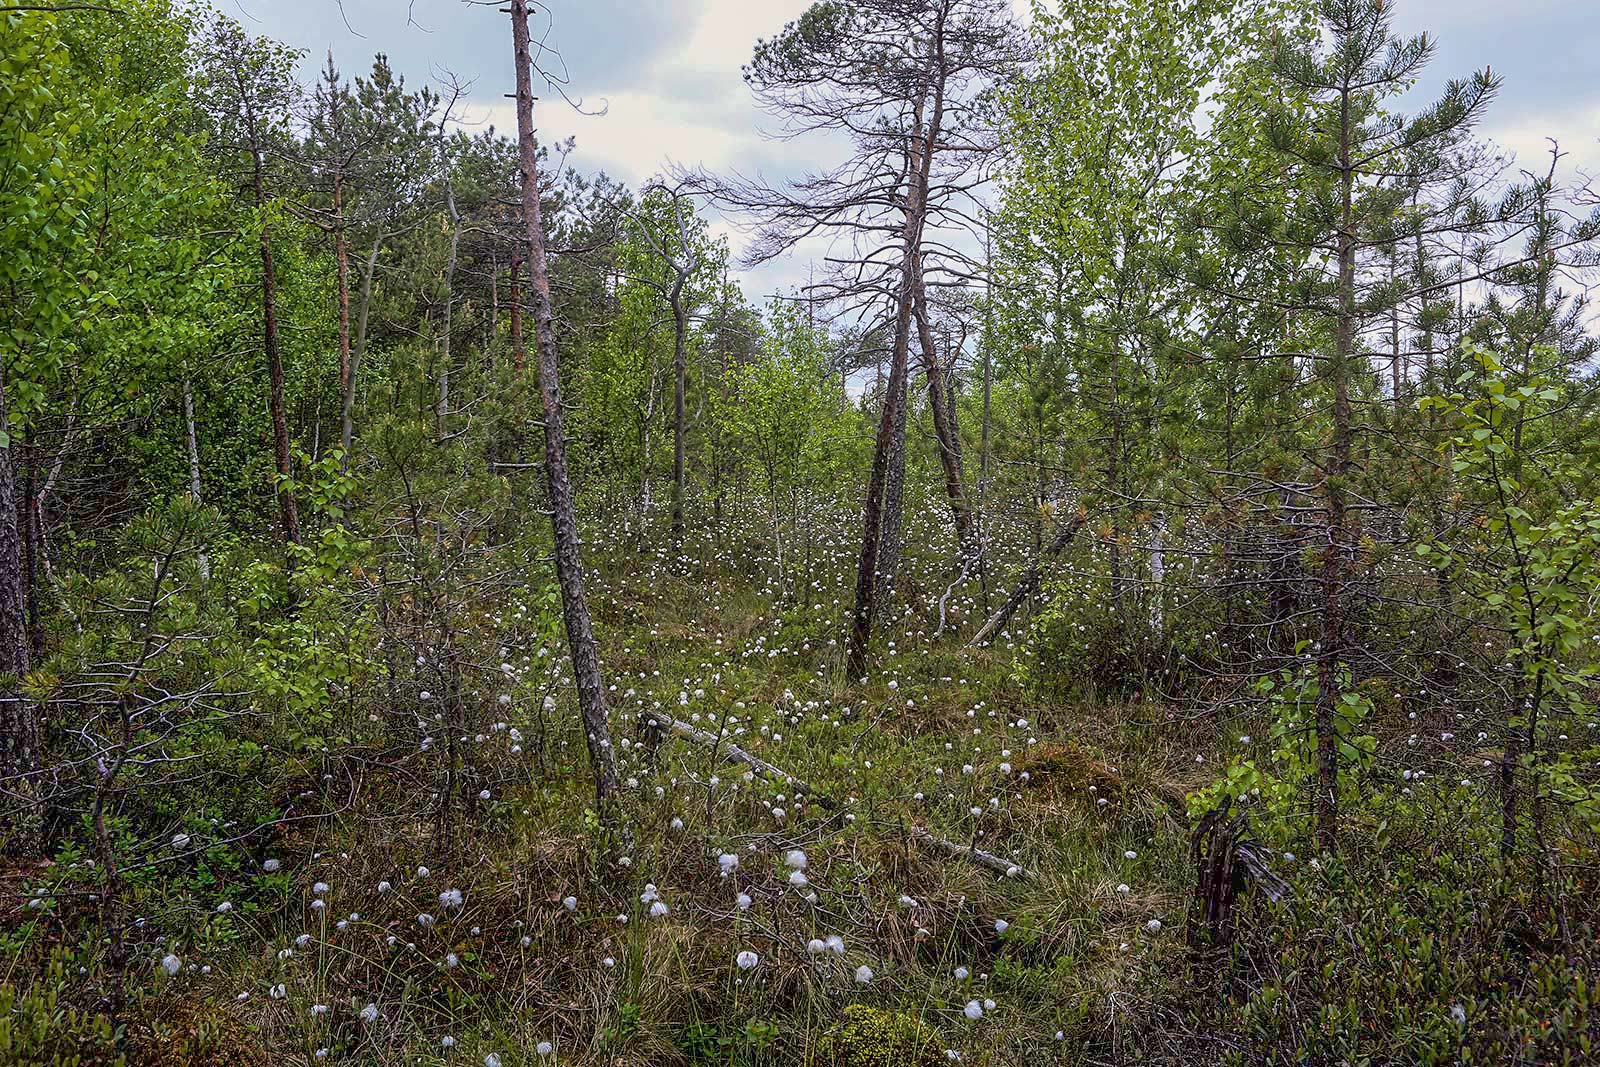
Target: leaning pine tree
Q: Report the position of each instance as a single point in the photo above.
(563, 514)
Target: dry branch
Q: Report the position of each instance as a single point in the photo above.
(732, 753)
(998, 864)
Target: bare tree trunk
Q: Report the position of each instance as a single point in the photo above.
(893, 501)
(563, 515)
(944, 431)
(341, 255)
(983, 437)
(884, 448)
(519, 357)
(19, 721)
(192, 442)
(28, 517)
(289, 514)
(442, 413)
(680, 388)
(347, 401)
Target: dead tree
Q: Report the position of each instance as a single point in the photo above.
(677, 250)
(904, 80)
(1225, 861)
(1028, 584)
(563, 513)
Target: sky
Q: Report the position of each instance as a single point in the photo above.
(659, 80)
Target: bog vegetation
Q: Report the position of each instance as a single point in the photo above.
(1133, 605)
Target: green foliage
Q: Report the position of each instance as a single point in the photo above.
(1423, 960)
(1275, 786)
(38, 1030)
(871, 1037)
(1533, 570)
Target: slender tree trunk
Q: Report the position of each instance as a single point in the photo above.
(1329, 658)
(341, 255)
(20, 735)
(31, 538)
(680, 388)
(288, 513)
(192, 445)
(347, 400)
(983, 446)
(890, 542)
(519, 356)
(563, 515)
(944, 431)
(442, 412)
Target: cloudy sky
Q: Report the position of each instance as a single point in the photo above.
(665, 73)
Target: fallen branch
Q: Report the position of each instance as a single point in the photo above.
(1030, 580)
(998, 864)
(732, 753)
(967, 561)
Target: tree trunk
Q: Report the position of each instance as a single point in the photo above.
(442, 412)
(192, 444)
(519, 356)
(893, 502)
(680, 388)
(19, 721)
(883, 448)
(1329, 656)
(28, 517)
(563, 515)
(341, 255)
(288, 513)
(944, 431)
(347, 401)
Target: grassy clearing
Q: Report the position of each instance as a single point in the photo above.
(514, 938)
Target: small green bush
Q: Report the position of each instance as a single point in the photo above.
(880, 1037)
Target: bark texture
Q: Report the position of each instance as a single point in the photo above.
(563, 515)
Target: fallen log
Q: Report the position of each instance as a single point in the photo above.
(998, 864)
(732, 753)
(1029, 583)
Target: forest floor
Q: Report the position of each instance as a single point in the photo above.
(510, 933)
